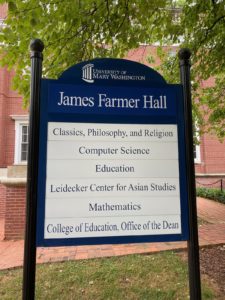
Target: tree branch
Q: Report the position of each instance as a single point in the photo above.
(210, 28)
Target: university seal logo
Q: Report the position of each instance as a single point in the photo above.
(87, 73)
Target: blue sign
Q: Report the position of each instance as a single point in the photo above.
(112, 157)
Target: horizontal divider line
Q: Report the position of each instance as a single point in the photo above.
(91, 217)
(101, 178)
(114, 141)
(128, 196)
(119, 178)
(80, 159)
(177, 195)
(105, 178)
(115, 197)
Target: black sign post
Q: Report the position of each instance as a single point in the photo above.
(36, 47)
(193, 245)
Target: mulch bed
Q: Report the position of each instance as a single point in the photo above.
(212, 263)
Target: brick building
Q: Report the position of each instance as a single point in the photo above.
(210, 155)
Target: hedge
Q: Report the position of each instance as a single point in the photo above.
(213, 194)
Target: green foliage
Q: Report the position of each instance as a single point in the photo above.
(75, 31)
(213, 194)
(202, 29)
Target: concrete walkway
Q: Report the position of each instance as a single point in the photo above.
(211, 233)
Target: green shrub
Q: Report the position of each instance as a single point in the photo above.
(213, 194)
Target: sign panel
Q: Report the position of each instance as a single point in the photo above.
(117, 180)
(112, 166)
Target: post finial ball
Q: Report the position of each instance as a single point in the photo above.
(184, 53)
(36, 45)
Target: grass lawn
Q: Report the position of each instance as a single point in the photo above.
(155, 276)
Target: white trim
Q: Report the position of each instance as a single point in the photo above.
(197, 159)
(3, 172)
(13, 181)
(19, 122)
(198, 154)
(210, 174)
(19, 117)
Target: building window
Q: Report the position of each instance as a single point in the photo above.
(197, 157)
(24, 142)
(21, 139)
(197, 153)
